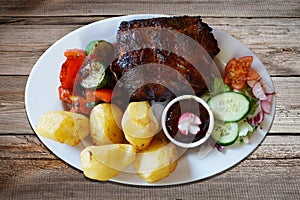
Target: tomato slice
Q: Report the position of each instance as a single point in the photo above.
(247, 60)
(236, 72)
(239, 85)
(252, 75)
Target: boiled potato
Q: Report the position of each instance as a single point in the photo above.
(139, 143)
(105, 123)
(63, 126)
(157, 161)
(139, 124)
(106, 161)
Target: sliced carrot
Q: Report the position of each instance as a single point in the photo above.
(99, 95)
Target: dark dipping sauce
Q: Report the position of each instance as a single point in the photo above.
(181, 107)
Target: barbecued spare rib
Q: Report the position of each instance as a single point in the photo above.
(160, 58)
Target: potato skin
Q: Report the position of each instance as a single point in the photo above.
(63, 126)
(107, 161)
(105, 123)
(157, 161)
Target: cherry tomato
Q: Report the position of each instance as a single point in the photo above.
(236, 72)
(238, 85)
(247, 60)
(252, 75)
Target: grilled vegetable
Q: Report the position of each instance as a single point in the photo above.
(80, 105)
(65, 94)
(96, 75)
(99, 95)
(70, 67)
(101, 50)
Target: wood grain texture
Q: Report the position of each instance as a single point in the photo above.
(29, 147)
(242, 8)
(277, 46)
(276, 158)
(40, 179)
(269, 28)
(13, 116)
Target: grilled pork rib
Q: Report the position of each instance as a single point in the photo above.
(161, 45)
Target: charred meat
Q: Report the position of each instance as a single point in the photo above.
(160, 45)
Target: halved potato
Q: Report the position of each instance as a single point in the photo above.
(157, 161)
(105, 123)
(63, 126)
(106, 161)
(139, 124)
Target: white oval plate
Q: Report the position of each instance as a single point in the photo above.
(41, 95)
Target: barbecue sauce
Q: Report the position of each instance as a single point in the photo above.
(177, 110)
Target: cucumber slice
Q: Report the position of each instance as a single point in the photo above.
(225, 134)
(98, 76)
(229, 106)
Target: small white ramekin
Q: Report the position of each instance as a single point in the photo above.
(210, 127)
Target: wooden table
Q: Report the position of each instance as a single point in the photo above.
(270, 29)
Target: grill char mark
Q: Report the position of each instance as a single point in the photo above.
(129, 59)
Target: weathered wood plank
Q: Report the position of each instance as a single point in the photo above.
(23, 147)
(12, 107)
(269, 28)
(277, 46)
(13, 116)
(41, 179)
(83, 20)
(287, 104)
(14, 147)
(12, 88)
(50, 20)
(288, 8)
(13, 119)
(19, 38)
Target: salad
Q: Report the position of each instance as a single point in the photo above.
(239, 102)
